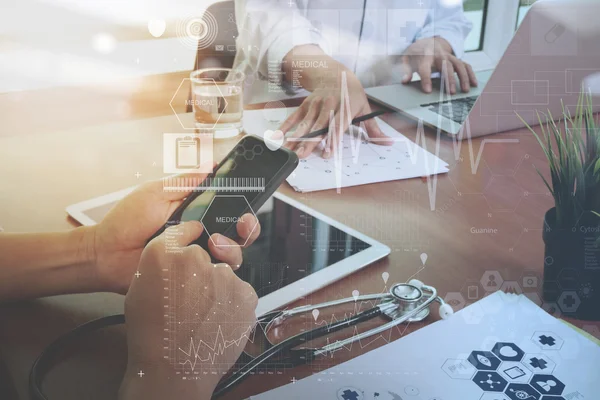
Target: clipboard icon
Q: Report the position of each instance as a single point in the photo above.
(187, 152)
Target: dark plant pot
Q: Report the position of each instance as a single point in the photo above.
(572, 266)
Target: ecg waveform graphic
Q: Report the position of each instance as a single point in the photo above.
(196, 356)
(413, 148)
(212, 350)
(359, 307)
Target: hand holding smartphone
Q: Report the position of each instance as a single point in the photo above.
(242, 182)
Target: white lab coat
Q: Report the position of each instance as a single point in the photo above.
(269, 29)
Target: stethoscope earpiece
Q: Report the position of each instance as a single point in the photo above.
(416, 283)
(445, 311)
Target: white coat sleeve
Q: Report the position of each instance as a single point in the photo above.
(447, 20)
(268, 30)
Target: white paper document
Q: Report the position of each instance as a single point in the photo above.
(360, 162)
(503, 347)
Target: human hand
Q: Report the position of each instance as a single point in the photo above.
(219, 312)
(325, 103)
(118, 240)
(428, 55)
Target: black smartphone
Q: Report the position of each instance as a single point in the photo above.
(241, 183)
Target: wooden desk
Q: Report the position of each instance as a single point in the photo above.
(490, 185)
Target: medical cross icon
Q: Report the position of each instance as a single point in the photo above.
(547, 340)
(350, 395)
(538, 363)
(569, 301)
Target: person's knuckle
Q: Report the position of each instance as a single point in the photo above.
(223, 268)
(302, 125)
(251, 298)
(234, 255)
(156, 248)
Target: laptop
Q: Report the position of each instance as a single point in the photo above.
(551, 57)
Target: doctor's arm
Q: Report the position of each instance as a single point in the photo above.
(100, 258)
(440, 41)
(277, 36)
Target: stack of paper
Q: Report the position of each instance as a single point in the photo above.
(503, 347)
(358, 162)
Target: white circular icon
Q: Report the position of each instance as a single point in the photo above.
(273, 139)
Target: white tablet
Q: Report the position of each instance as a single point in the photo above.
(298, 251)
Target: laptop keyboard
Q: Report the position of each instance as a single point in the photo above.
(456, 110)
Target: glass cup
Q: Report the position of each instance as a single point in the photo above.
(217, 100)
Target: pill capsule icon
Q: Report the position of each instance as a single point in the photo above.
(554, 33)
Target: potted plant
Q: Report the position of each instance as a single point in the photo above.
(571, 230)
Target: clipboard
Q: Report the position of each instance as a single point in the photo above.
(187, 152)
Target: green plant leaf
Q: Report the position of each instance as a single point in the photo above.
(571, 145)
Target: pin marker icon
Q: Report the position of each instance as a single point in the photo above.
(355, 294)
(385, 277)
(315, 313)
(423, 258)
(157, 27)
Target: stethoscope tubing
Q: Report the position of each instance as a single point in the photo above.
(295, 341)
(388, 303)
(382, 328)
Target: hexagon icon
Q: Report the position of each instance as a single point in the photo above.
(459, 369)
(521, 391)
(223, 213)
(491, 281)
(249, 153)
(538, 363)
(508, 351)
(471, 291)
(190, 102)
(569, 301)
(511, 287)
(514, 371)
(547, 384)
(547, 340)
(494, 396)
(568, 279)
(530, 280)
(484, 360)
(490, 381)
(455, 299)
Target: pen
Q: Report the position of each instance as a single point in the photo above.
(354, 121)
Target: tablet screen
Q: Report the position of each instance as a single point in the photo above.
(292, 245)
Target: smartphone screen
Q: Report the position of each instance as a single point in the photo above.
(244, 180)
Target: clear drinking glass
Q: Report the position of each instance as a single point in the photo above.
(217, 99)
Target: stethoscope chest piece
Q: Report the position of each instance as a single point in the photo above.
(408, 298)
(406, 292)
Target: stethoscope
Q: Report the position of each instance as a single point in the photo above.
(405, 302)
